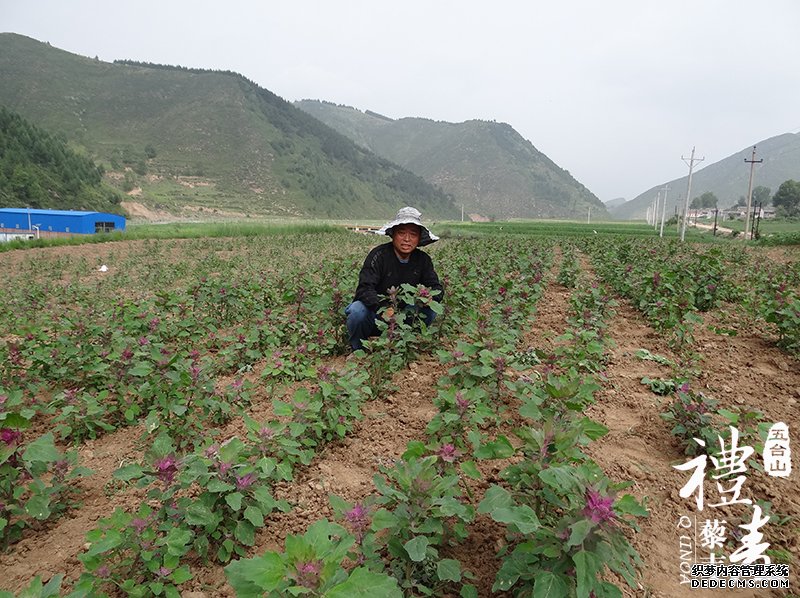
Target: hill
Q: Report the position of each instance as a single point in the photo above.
(39, 170)
(175, 137)
(613, 203)
(487, 167)
(728, 178)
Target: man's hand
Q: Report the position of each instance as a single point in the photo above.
(388, 313)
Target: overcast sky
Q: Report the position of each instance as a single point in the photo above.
(614, 91)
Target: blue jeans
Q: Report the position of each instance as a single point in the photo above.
(361, 321)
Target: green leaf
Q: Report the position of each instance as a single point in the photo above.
(265, 501)
(383, 519)
(586, 567)
(629, 505)
(593, 429)
(43, 449)
(471, 470)
(523, 517)
(216, 485)
(14, 420)
(181, 575)
(200, 514)
(580, 529)
(128, 472)
(245, 533)
(38, 507)
(468, 591)
(234, 500)
(500, 448)
(251, 578)
(607, 590)
(363, 583)
(284, 470)
(281, 409)
(111, 540)
(562, 478)
(496, 497)
(229, 451)
(51, 588)
(482, 371)
(338, 504)
(448, 570)
(141, 369)
(254, 516)
(414, 450)
(416, 548)
(531, 411)
(177, 539)
(549, 585)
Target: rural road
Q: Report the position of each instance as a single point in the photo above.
(720, 229)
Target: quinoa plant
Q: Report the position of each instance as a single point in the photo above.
(563, 532)
(140, 554)
(37, 481)
(310, 565)
(422, 511)
(37, 589)
(692, 416)
(229, 500)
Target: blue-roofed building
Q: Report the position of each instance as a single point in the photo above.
(24, 222)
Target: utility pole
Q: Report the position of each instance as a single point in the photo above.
(752, 161)
(663, 210)
(589, 217)
(655, 213)
(462, 212)
(691, 162)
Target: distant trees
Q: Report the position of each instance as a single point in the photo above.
(706, 200)
(762, 195)
(39, 170)
(787, 198)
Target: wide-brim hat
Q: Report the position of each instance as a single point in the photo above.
(409, 215)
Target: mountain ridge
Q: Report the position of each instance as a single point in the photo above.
(486, 166)
(204, 138)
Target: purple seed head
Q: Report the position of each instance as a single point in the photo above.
(598, 508)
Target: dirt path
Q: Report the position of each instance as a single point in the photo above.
(639, 446)
(720, 229)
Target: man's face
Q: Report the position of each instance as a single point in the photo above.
(405, 238)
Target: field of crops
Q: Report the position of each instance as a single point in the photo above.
(187, 423)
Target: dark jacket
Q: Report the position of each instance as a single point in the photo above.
(383, 270)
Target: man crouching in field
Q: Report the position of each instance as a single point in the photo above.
(390, 265)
